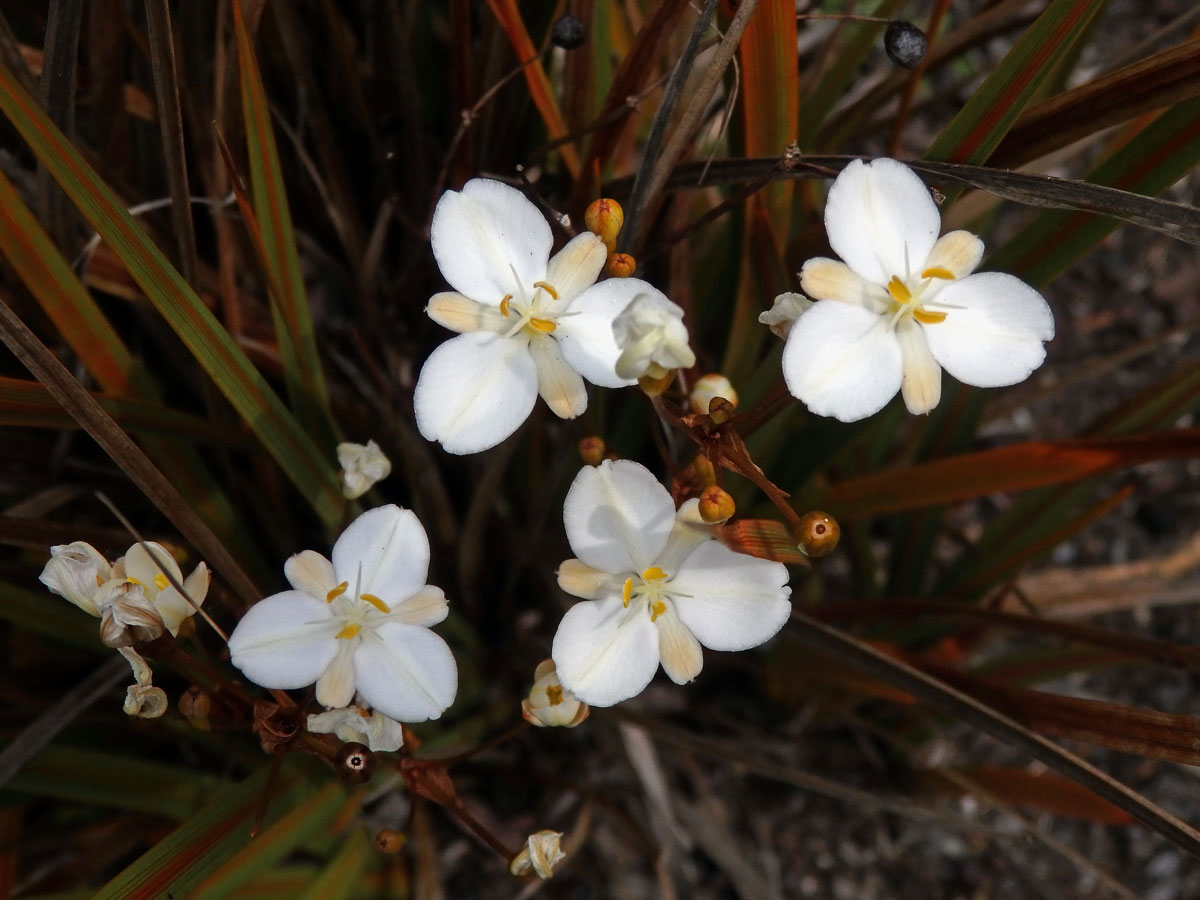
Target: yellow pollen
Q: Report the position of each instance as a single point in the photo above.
(337, 592)
(554, 694)
(99, 581)
(133, 580)
(927, 317)
(657, 608)
(938, 272)
(899, 290)
(504, 305)
(160, 581)
(654, 573)
(349, 631)
(627, 591)
(375, 602)
(545, 326)
(547, 288)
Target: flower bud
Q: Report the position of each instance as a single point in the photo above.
(716, 506)
(652, 337)
(362, 466)
(604, 218)
(549, 704)
(592, 450)
(390, 841)
(709, 387)
(540, 855)
(905, 43)
(705, 473)
(355, 763)
(620, 265)
(568, 32)
(817, 534)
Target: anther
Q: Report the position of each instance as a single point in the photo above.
(545, 326)
(627, 592)
(349, 631)
(657, 608)
(928, 318)
(337, 592)
(554, 694)
(375, 602)
(547, 288)
(654, 573)
(160, 581)
(899, 290)
(938, 272)
(504, 305)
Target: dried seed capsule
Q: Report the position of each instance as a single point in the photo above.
(592, 450)
(716, 506)
(817, 534)
(355, 763)
(568, 32)
(905, 43)
(720, 410)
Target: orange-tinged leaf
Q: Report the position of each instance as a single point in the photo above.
(764, 538)
(1045, 792)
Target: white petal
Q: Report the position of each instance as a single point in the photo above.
(461, 314)
(678, 648)
(688, 533)
(605, 653)
(173, 608)
(426, 607)
(76, 571)
(581, 580)
(152, 565)
(485, 233)
(958, 252)
(312, 573)
(335, 687)
(586, 334)
(734, 601)
(558, 384)
(383, 552)
(406, 672)
(285, 641)
(842, 361)
(993, 333)
(786, 309)
(617, 516)
(881, 220)
(474, 391)
(576, 266)
(830, 279)
(921, 383)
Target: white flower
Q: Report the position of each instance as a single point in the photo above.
(540, 855)
(652, 336)
(786, 309)
(362, 466)
(76, 571)
(139, 566)
(549, 704)
(527, 324)
(356, 725)
(657, 586)
(360, 622)
(903, 304)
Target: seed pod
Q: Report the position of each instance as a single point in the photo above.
(604, 218)
(568, 32)
(620, 265)
(592, 450)
(390, 841)
(817, 534)
(905, 43)
(355, 763)
(716, 506)
(720, 410)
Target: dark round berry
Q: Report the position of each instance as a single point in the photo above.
(568, 32)
(905, 43)
(356, 764)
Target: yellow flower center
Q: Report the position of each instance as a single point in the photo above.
(907, 301)
(651, 586)
(533, 315)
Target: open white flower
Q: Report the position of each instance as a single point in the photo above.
(139, 566)
(528, 324)
(903, 304)
(358, 622)
(657, 585)
(652, 336)
(362, 466)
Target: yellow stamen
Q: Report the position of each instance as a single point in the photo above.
(899, 290)
(654, 573)
(545, 326)
(547, 288)
(938, 272)
(554, 694)
(133, 580)
(337, 592)
(99, 581)
(927, 317)
(160, 581)
(627, 592)
(348, 632)
(657, 608)
(504, 305)
(375, 602)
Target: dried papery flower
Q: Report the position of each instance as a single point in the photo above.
(542, 852)
(363, 465)
(549, 704)
(605, 218)
(357, 725)
(142, 698)
(127, 615)
(709, 387)
(817, 534)
(76, 571)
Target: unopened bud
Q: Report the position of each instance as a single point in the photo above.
(817, 534)
(592, 450)
(390, 841)
(705, 473)
(620, 265)
(604, 218)
(716, 506)
(905, 43)
(541, 854)
(709, 387)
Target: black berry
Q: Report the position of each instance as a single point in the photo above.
(568, 32)
(905, 43)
